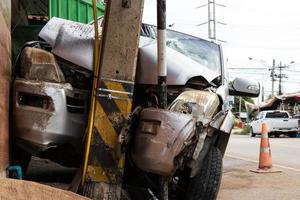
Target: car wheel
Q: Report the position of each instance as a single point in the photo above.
(206, 184)
(252, 133)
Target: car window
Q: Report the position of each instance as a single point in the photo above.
(203, 52)
(277, 115)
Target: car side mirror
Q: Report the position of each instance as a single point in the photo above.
(244, 87)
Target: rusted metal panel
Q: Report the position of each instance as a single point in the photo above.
(5, 72)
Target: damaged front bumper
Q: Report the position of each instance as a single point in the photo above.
(46, 115)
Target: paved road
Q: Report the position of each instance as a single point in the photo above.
(238, 182)
(285, 151)
(242, 155)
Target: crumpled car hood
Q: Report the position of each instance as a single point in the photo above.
(70, 40)
(73, 41)
(180, 67)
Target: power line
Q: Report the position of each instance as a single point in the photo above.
(245, 68)
(248, 46)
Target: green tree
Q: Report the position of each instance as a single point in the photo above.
(237, 103)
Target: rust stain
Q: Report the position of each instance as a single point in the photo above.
(116, 118)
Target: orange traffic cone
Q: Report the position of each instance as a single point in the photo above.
(265, 158)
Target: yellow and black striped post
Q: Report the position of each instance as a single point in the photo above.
(103, 171)
(113, 106)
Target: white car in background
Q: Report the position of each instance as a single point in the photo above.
(278, 122)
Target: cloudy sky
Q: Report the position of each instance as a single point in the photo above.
(261, 29)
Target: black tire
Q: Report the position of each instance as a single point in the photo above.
(205, 186)
(252, 133)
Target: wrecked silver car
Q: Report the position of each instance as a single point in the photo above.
(185, 143)
(51, 103)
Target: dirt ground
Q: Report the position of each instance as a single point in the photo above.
(27, 190)
(49, 173)
(238, 183)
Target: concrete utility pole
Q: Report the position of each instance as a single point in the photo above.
(240, 106)
(262, 93)
(212, 21)
(212, 33)
(281, 76)
(103, 170)
(273, 76)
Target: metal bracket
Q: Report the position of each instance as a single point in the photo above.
(126, 3)
(113, 94)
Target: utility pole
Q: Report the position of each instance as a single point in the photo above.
(262, 93)
(280, 76)
(273, 76)
(162, 74)
(212, 20)
(240, 106)
(161, 53)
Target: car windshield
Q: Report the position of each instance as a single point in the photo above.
(277, 115)
(203, 52)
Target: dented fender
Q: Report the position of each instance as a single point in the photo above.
(223, 121)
